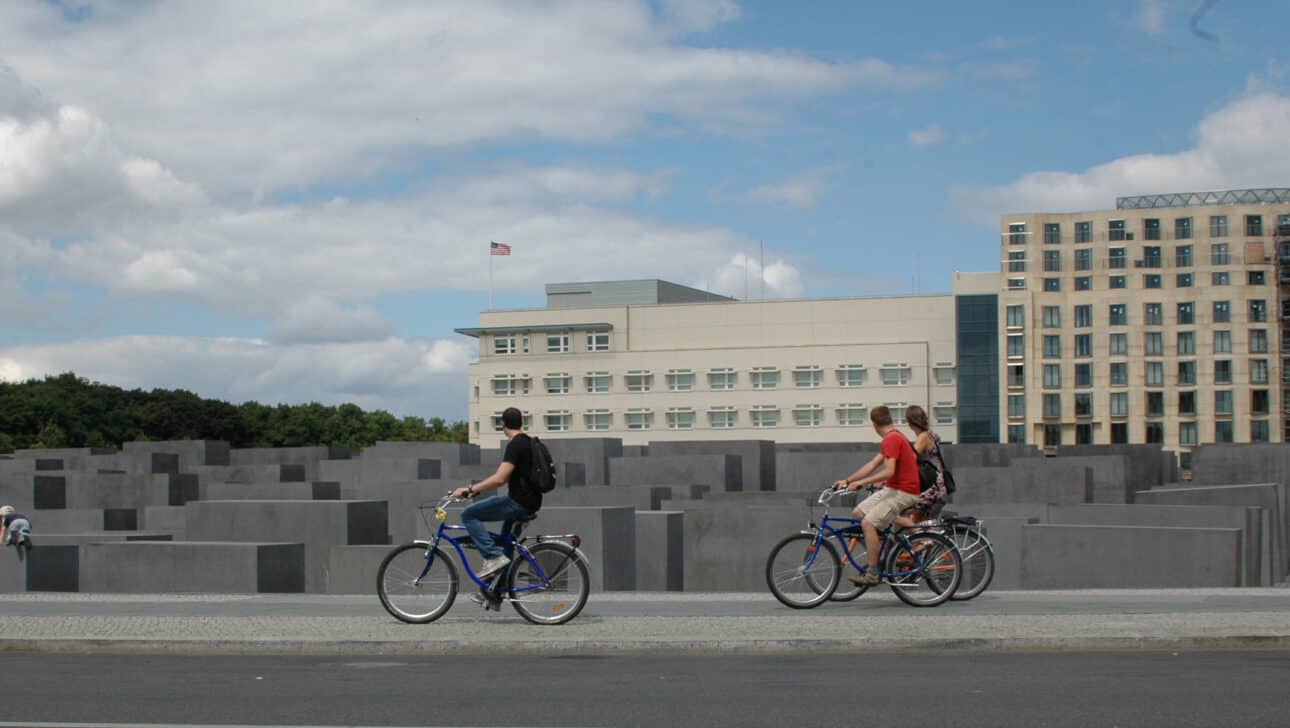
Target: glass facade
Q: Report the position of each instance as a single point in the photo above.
(977, 338)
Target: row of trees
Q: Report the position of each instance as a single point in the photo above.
(68, 411)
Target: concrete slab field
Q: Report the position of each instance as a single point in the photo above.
(161, 567)
(1099, 557)
(720, 472)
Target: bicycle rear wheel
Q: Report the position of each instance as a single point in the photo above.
(409, 599)
(800, 574)
(556, 590)
(848, 590)
(935, 565)
(978, 562)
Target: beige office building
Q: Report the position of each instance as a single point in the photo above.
(650, 360)
(1156, 322)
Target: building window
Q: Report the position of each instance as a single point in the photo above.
(1052, 284)
(1084, 232)
(1052, 317)
(597, 342)
(558, 421)
(807, 377)
(1084, 259)
(764, 378)
(1223, 431)
(1254, 225)
(1220, 278)
(1052, 436)
(721, 379)
(1223, 402)
(1186, 433)
(1186, 403)
(680, 380)
(1186, 343)
(1219, 254)
(1182, 256)
(1016, 317)
(1016, 434)
(1017, 233)
(1183, 280)
(765, 416)
(1255, 277)
(894, 374)
(680, 418)
(557, 383)
(1119, 404)
(1016, 376)
(504, 345)
(1155, 374)
(1119, 374)
(1187, 373)
(1115, 230)
(1117, 258)
(1052, 233)
(557, 344)
(640, 419)
(1222, 341)
(1016, 284)
(596, 382)
(1119, 344)
(1119, 314)
(639, 381)
(1151, 280)
(1258, 341)
(1016, 261)
(1083, 375)
(1083, 345)
(1155, 404)
(1182, 228)
(1151, 228)
(1259, 402)
(852, 415)
(943, 414)
(1153, 343)
(1218, 226)
(1052, 261)
(507, 385)
(851, 375)
(1052, 376)
(1083, 316)
(1186, 314)
(1259, 431)
(1153, 314)
(1016, 406)
(1052, 406)
(1258, 311)
(1052, 346)
(1119, 433)
(1258, 371)
(1222, 371)
(1118, 282)
(1151, 256)
(1222, 312)
(897, 412)
(1016, 346)
(722, 418)
(1083, 283)
(943, 374)
(596, 420)
(1155, 433)
(1083, 404)
(808, 416)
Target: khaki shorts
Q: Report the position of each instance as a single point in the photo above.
(882, 507)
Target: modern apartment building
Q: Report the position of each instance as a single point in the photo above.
(1160, 321)
(650, 360)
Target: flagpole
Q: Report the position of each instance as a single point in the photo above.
(490, 276)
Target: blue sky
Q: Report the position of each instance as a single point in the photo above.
(295, 204)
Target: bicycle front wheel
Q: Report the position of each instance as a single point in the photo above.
(849, 590)
(802, 574)
(978, 562)
(930, 569)
(409, 596)
(550, 585)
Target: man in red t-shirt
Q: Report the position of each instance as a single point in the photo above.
(897, 467)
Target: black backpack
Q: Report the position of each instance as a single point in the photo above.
(927, 473)
(542, 476)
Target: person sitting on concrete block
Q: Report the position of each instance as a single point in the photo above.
(15, 528)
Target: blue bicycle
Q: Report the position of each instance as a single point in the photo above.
(547, 582)
(923, 568)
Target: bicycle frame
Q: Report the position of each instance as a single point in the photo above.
(888, 536)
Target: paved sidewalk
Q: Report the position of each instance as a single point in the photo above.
(649, 622)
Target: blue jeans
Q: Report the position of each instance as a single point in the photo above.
(495, 508)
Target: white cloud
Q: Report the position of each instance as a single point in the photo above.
(689, 16)
(1150, 17)
(1006, 70)
(799, 190)
(317, 320)
(1241, 145)
(742, 277)
(927, 136)
(403, 376)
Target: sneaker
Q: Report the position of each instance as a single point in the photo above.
(869, 578)
(491, 566)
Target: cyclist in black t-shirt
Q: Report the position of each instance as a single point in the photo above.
(522, 499)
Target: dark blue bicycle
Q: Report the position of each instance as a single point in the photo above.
(923, 568)
(547, 582)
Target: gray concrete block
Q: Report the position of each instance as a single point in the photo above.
(720, 472)
(1005, 536)
(1108, 557)
(166, 567)
(726, 546)
(192, 453)
(306, 458)
(449, 453)
(357, 475)
(608, 539)
(51, 567)
(247, 474)
(983, 455)
(318, 525)
(13, 573)
(806, 468)
(1269, 496)
(592, 453)
(660, 551)
(81, 539)
(1217, 464)
(67, 521)
(757, 457)
(640, 497)
(1027, 480)
(1147, 465)
(166, 519)
(352, 569)
(120, 519)
(268, 491)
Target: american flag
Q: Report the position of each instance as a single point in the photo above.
(498, 248)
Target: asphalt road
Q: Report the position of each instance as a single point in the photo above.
(959, 689)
